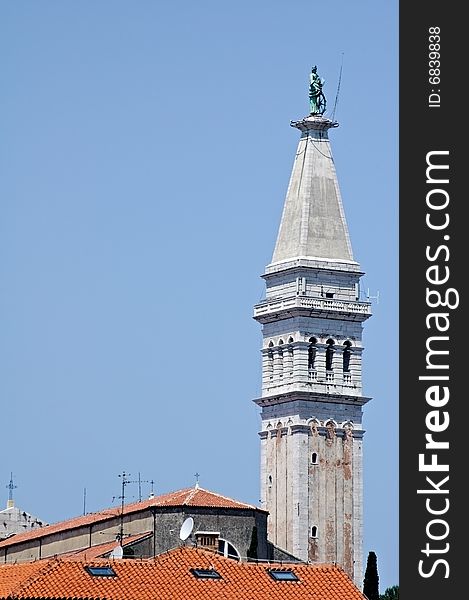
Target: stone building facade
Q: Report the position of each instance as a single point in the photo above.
(311, 402)
(150, 527)
(13, 520)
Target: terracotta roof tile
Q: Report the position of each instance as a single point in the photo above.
(197, 497)
(186, 497)
(169, 576)
(14, 577)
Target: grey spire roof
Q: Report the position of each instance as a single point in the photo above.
(313, 222)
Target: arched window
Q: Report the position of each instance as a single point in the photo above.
(312, 353)
(314, 531)
(314, 458)
(270, 360)
(290, 356)
(329, 354)
(227, 549)
(270, 363)
(280, 358)
(346, 356)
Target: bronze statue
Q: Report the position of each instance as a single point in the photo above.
(317, 100)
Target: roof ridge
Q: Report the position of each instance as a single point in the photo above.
(180, 492)
(192, 493)
(227, 498)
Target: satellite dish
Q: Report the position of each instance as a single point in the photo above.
(118, 552)
(186, 528)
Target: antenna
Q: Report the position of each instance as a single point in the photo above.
(84, 501)
(125, 481)
(368, 297)
(186, 528)
(140, 481)
(338, 88)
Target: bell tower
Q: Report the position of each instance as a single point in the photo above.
(311, 402)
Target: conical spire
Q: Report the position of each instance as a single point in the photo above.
(313, 223)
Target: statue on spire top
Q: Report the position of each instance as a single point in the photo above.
(317, 100)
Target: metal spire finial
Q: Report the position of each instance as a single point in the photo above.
(11, 486)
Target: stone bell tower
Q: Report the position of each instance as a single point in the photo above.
(311, 403)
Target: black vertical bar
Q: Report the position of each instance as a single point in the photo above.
(433, 318)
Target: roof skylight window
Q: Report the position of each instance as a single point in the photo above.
(282, 575)
(101, 571)
(206, 573)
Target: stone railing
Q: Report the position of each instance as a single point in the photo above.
(272, 306)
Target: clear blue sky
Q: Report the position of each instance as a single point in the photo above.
(145, 152)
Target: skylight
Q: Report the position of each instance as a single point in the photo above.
(206, 573)
(282, 575)
(101, 571)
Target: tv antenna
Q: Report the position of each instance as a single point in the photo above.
(338, 88)
(125, 481)
(186, 528)
(140, 481)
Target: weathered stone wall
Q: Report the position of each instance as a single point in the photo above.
(311, 282)
(14, 520)
(312, 485)
(234, 525)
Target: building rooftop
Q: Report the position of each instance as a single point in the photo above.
(196, 497)
(184, 572)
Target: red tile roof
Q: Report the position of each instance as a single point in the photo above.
(197, 497)
(14, 577)
(169, 576)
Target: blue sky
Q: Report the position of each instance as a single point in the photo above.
(145, 152)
